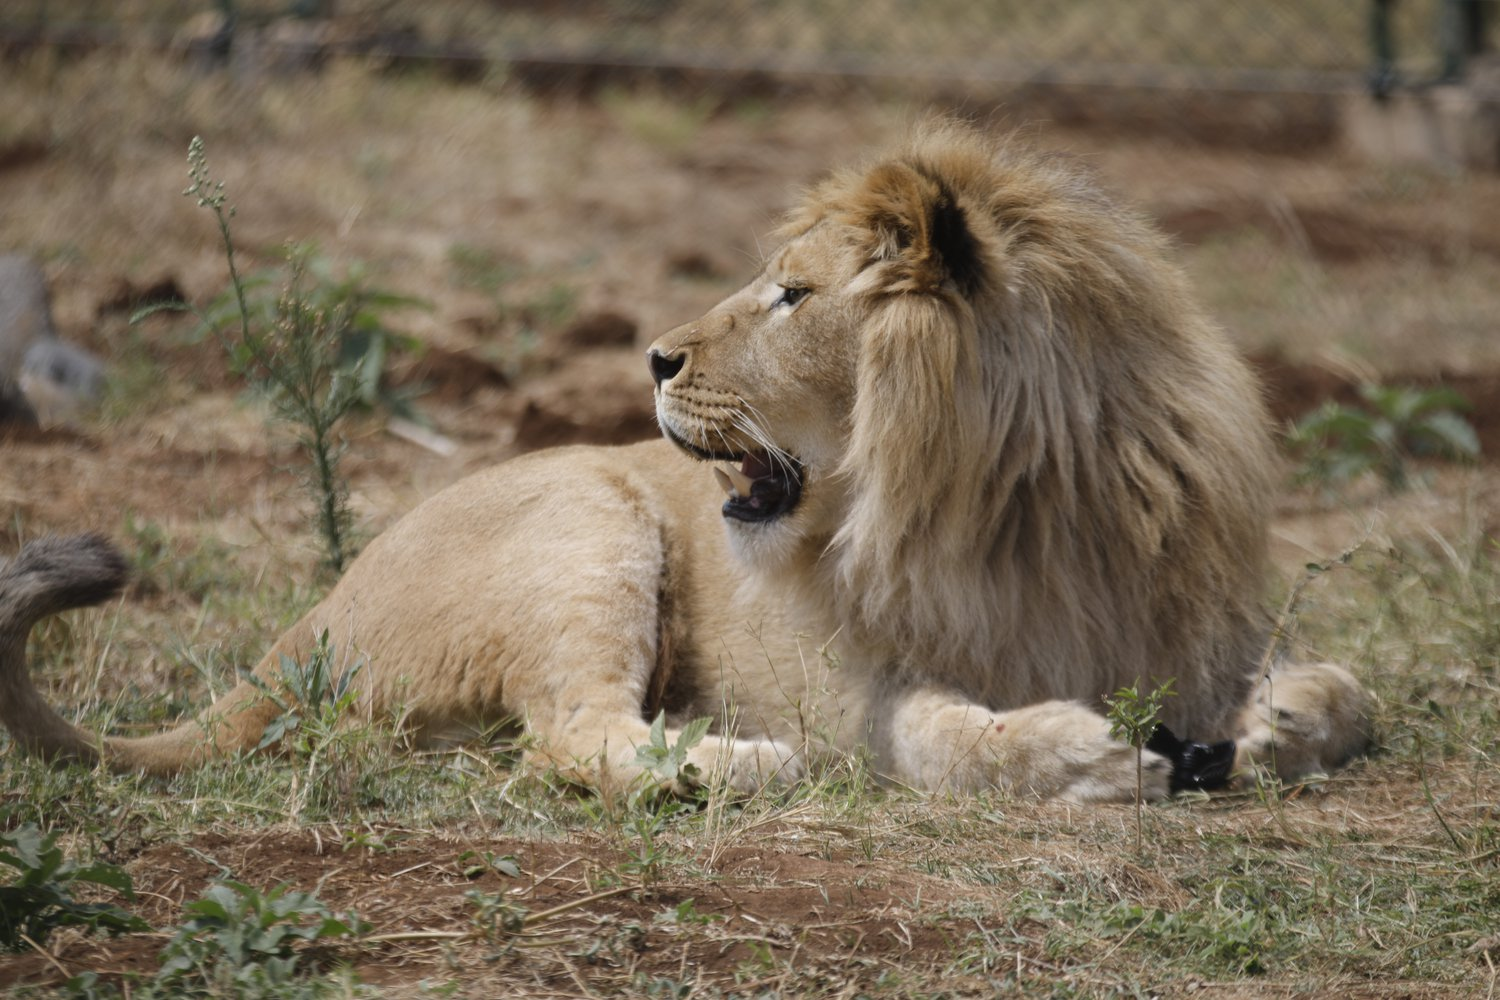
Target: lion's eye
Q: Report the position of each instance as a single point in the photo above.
(790, 296)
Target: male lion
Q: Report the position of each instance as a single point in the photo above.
(975, 435)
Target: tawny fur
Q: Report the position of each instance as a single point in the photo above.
(1033, 472)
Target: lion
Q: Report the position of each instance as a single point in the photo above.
(976, 460)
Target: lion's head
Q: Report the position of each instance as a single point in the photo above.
(969, 407)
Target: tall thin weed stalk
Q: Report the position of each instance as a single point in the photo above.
(296, 359)
(1133, 716)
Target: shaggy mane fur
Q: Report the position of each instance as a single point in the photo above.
(1057, 464)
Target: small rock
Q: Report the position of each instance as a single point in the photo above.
(70, 369)
(42, 379)
(25, 312)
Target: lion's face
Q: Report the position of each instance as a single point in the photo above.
(762, 386)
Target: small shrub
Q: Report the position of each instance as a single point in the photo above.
(312, 696)
(38, 899)
(496, 919)
(314, 727)
(238, 941)
(1339, 443)
(668, 765)
(685, 914)
(657, 796)
(357, 342)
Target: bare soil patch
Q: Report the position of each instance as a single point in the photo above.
(837, 911)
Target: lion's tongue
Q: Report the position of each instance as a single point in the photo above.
(757, 466)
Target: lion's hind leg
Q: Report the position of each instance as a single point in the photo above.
(1303, 719)
(589, 724)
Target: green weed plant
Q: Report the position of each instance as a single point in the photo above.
(238, 941)
(312, 696)
(669, 788)
(38, 899)
(317, 349)
(1394, 426)
(1133, 716)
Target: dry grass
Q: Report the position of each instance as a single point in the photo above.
(1382, 881)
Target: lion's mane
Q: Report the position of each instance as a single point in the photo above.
(1058, 469)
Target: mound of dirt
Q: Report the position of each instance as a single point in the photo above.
(600, 397)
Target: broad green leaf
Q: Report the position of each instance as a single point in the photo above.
(103, 873)
(1454, 434)
(28, 844)
(692, 734)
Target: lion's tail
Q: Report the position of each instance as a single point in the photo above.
(51, 575)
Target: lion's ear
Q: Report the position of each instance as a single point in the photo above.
(915, 222)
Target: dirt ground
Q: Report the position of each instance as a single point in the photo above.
(553, 239)
(825, 905)
(795, 906)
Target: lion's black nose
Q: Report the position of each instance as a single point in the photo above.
(664, 366)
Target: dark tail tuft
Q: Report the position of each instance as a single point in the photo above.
(54, 574)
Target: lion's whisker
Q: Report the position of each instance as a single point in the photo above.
(751, 421)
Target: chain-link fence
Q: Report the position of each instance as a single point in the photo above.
(1291, 46)
(1261, 72)
(1257, 71)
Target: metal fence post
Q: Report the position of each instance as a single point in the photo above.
(1383, 74)
(1462, 35)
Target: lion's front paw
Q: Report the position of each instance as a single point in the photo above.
(1305, 719)
(1057, 749)
(1064, 750)
(747, 766)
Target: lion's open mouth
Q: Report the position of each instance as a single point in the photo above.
(760, 486)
